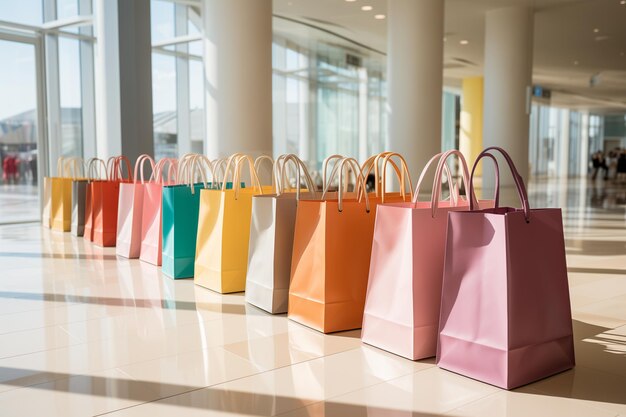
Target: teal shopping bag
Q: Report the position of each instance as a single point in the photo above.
(180, 227)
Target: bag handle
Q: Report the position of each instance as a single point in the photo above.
(72, 167)
(438, 177)
(401, 178)
(360, 182)
(139, 166)
(517, 178)
(257, 164)
(496, 196)
(454, 193)
(300, 166)
(241, 160)
(327, 161)
(373, 162)
(117, 170)
(96, 163)
(197, 165)
(172, 171)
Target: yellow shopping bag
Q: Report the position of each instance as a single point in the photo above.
(224, 229)
(57, 213)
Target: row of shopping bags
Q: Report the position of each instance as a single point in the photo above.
(482, 287)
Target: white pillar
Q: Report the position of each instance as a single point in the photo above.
(124, 78)
(415, 72)
(564, 145)
(508, 78)
(238, 76)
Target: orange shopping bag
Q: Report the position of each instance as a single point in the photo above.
(331, 254)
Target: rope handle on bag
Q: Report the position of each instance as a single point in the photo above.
(72, 167)
(405, 171)
(139, 163)
(197, 165)
(357, 169)
(496, 196)
(257, 164)
(327, 161)
(299, 166)
(172, 171)
(253, 175)
(443, 161)
(97, 163)
(517, 178)
(373, 162)
(454, 193)
(118, 171)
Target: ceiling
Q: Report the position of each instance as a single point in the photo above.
(567, 50)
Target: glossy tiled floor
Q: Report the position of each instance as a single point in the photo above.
(85, 333)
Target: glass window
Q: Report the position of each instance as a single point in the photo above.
(196, 104)
(162, 20)
(67, 8)
(164, 105)
(70, 96)
(22, 11)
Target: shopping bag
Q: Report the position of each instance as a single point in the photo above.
(130, 210)
(79, 195)
(224, 230)
(151, 220)
(98, 172)
(330, 260)
(180, 208)
(105, 197)
(505, 308)
(58, 211)
(404, 287)
(271, 238)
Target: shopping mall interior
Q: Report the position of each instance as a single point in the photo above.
(216, 283)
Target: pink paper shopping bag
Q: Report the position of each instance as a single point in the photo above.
(505, 309)
(406, 268)
(151, 221)
(129, 212)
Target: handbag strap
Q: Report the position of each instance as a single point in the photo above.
(259, 161)
(332, 158)
(241, 160)
(139, 164)
(496, 196)
(299, 166)
(402, 178)
(373, 163)
(93, 172)
(517, 178)
(172, 168)
(454, 194)
(436, 195)
(346, 163)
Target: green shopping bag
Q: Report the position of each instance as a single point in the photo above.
(181, 205)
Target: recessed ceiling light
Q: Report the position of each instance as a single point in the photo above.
(623, 2)
(575, 62)
(596, 30)
(445, 39)
(379, 16)
(621, 53)
(350, 1)
(463, 41)
(366, 8)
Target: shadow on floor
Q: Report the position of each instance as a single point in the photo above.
(205, 398)
(57, 256)
(129, 302)
(592, 247)
(600, 372)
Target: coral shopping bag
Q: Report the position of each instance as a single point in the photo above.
(505, 309)
(151, 221)
(406, 269)
(180, 208)
(271, 238)
(130, 210)
(330, 261)
(224, 230)
(105, 196)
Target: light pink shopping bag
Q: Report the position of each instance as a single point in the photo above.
(406, 268)
(151, 221)
(505, 309)
(129, 212)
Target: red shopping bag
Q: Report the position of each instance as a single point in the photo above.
(105, 195)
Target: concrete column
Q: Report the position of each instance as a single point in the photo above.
(471, 130)
(508, 79)
(415, 73)
(238, 76)
(124, 78)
